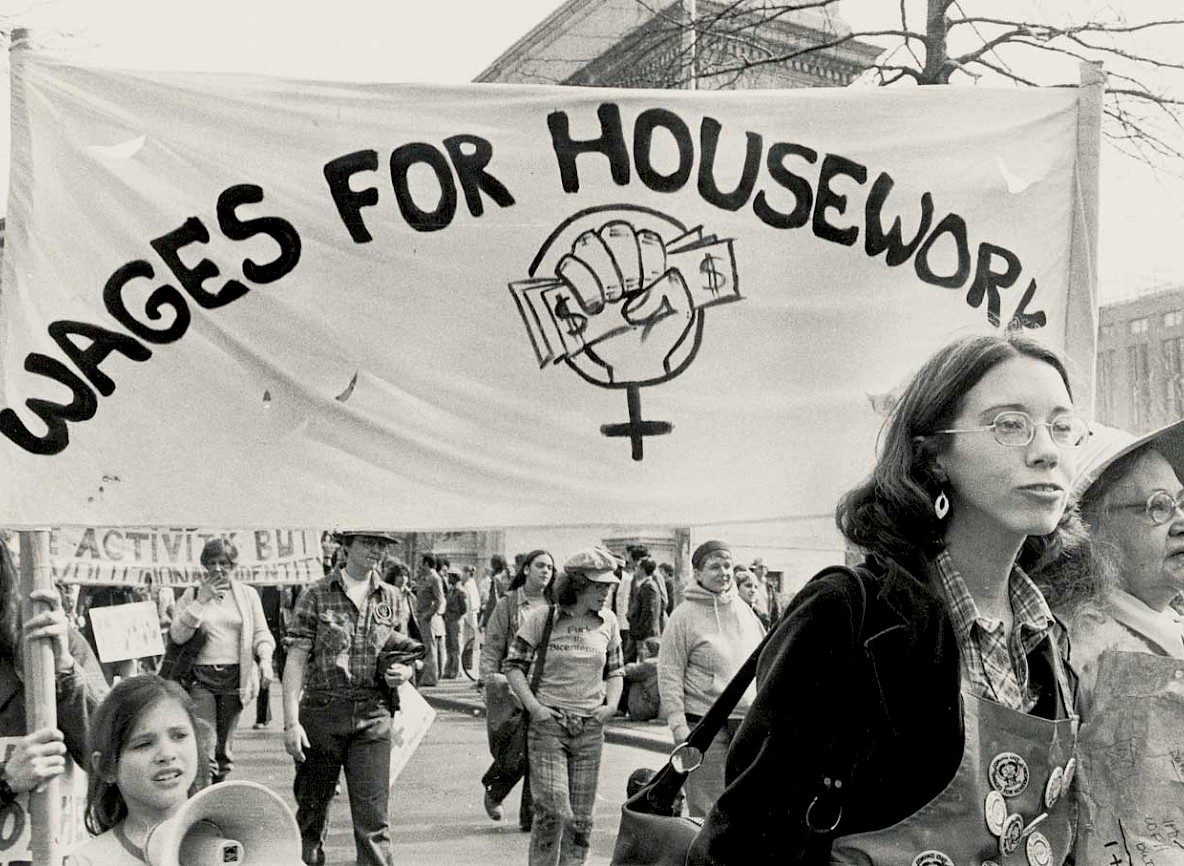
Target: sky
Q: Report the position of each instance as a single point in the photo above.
(451, 41)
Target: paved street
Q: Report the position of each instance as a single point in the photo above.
(437, 816)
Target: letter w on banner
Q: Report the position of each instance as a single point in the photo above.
(237, 300)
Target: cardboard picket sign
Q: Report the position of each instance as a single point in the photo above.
(127, 631)
(408, 727)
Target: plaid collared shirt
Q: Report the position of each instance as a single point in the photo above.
(997, 669)
(342, 641)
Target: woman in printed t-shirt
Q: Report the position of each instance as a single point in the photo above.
(578, 691)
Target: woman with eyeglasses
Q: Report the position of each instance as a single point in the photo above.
(915, 711)
(1127, 638)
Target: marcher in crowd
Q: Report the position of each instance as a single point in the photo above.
(397, 575)
(499, 583)
(647, 615)
(276, 610)
(470, 633)
(1127, 642)
(666, 577)
(578, 691)
(939, 644)
(746, 586)
(78, 686)
(337, 702)
(706, 641)
(525, 593)
(235, 659)
(644, 698)
(429, 619)
(768, 595)
(456, 605)
(622, 597)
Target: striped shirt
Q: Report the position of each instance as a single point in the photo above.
(995, 668)
(342, 640)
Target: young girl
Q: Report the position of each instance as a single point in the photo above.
(145, 744)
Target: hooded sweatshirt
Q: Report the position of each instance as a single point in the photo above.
(707, 639)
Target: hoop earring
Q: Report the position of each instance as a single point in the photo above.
(941, 506)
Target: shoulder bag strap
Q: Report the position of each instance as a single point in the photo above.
(540, 656)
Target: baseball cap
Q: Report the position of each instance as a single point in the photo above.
(595, 563)
(346, 534)
(1108, 444)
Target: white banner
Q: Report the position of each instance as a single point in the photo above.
(172, 556)
(236, 300)
(408, 727)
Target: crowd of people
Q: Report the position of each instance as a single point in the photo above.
(955, 697)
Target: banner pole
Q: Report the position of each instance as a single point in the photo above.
(41, 710)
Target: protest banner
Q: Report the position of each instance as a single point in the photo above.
(479, 306)
(16, 824)
(127, 631)
(122, 555)
(408, 727)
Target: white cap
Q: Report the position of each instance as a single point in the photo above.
(1107, 444)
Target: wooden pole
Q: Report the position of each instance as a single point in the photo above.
(1081, 326)
(41, 708)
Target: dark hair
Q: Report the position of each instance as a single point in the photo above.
(524, 567)
(215, 546)
(429, 560)
(637, 551)
(568, 590)
(647, 565)
(666, 567)
(498, 563)
(442, 563)
(891, 513)
(10, 609)
(110, 728)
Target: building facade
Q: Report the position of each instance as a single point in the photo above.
(1140, 361)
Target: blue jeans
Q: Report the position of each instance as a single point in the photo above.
(350, 731)
(564, 771)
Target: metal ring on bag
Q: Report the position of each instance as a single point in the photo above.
(810, 823)
(678, 749)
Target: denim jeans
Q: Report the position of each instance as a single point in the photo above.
(350, 731)
(221, 711)
(564, 771)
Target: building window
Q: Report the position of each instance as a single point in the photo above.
(1138, 326)
(1173, 318)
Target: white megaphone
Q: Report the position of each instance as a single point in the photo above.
(243, 823)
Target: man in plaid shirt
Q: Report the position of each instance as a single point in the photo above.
(336, 709)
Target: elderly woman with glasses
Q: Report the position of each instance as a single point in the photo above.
(1128, 644)
(915, 709)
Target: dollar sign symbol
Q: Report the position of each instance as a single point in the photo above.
(716, 279)
(576, 322)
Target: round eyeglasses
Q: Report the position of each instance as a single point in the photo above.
(1017, 429)
(1159, 508)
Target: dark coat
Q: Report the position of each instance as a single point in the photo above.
(843, 684)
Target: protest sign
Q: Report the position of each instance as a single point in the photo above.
(127, 631)
(15, 823)
(408, 727)
(485, 306)
(123, 555)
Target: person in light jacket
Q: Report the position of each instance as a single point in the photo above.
(708, 638)
(236, 657)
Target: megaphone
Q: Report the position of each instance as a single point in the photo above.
(243, 823)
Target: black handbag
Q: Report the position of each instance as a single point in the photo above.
(650, 833)
(177, 664)
(507, 736)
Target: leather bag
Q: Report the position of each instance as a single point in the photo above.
(650, 833)
(508, 720)
(177, 664)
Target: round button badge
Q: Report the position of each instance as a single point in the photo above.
(1052, 791)
(932, 858)
(1039, 850)
(1070, 769)
(996, 812)
(1009, 839)
(1008, 774)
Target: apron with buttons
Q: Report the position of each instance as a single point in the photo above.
(1004, 806)
(1131, 783)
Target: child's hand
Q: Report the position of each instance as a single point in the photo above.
(296, 741)
(603, 713)
(36, 758)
